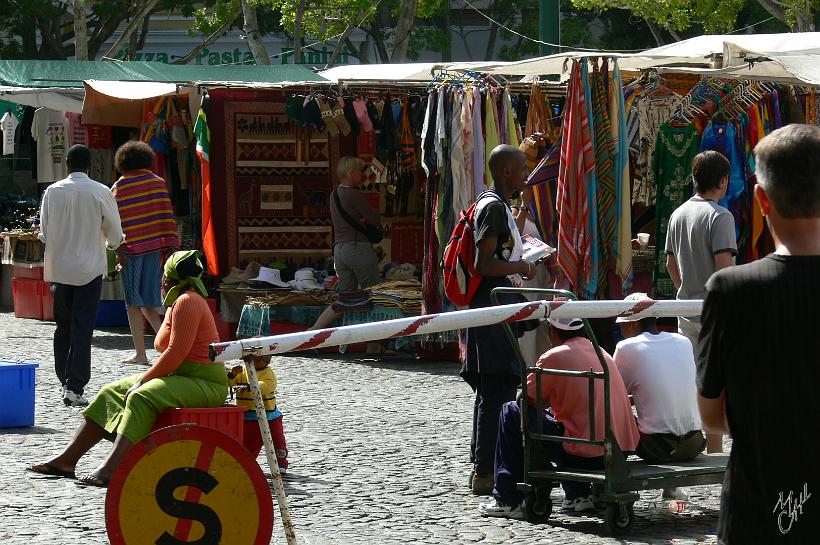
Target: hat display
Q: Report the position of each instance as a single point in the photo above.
(638, 296)
(270, 276)
(567, 324)
(304, 280)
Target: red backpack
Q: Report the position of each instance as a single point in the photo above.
(461, 280)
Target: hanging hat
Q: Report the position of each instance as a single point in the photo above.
(374, 114)
(633, 297)
(312, 115)
(361, 114)
(327, 117)
(270, 276)
(567, 324)
(339, 117)
(184, 269)
(350, 116)
(294, 109)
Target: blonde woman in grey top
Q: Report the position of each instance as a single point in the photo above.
(354, 258)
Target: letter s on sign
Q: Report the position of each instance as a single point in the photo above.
(188, 476)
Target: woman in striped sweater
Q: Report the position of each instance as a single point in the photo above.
(183, 376)
(150, 229)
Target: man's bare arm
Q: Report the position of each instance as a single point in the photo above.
(672, 268)
(723, 260)
(713, 414)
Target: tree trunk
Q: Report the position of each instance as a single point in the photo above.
(133, 25)
(490, 50)
(404, 27)
(101, 34)
(255, 43)
(351, 26)
(80, 31)
(774, 8)
(383, 20)
(297, 33)
(655, 32)
(209, 40)
(143, 33)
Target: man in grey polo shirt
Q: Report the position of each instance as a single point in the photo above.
(701, 240)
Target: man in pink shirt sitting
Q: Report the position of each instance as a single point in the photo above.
(568, 415)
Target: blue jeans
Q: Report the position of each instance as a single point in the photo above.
(509, 456)
(491, 394)
(75, 312)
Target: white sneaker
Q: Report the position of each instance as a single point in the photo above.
(73, 399)
(675, 494)
(584, 503)
(496, 509)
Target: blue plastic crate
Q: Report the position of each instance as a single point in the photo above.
(112, 314)
(16, 393)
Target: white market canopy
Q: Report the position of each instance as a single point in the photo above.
(789, 58)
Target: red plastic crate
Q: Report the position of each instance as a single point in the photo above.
(228, 419)
(226, 330)
(48, 301)
(28, 302)
(28, 272)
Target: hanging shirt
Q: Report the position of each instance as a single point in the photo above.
(77, 132)
(675, 149)
(722, 137)
(492, 138)
(9, 123)
(468, 142)
(50, 129)
(479, 172)
(461, 186)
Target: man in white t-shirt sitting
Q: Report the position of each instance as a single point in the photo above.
(658, 370)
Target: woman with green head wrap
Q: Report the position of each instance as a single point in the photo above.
(183, 376)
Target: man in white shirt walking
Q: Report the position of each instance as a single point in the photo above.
(658, 369)
(78, 220)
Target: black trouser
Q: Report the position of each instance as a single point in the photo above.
(660, 448)
(492, 392)
(75, 311)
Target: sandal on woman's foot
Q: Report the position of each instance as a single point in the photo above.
(46, 470)
(92, 480)
(134, 361)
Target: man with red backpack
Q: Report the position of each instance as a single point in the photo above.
(490, 365)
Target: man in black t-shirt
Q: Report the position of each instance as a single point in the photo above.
(759, 366)
(490, 365)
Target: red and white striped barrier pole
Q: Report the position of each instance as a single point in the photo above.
(448, 321)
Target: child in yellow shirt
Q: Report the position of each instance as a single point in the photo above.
(238, 379)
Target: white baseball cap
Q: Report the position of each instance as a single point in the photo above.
(567, 324)
(637, 296)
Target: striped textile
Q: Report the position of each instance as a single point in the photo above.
(571, 196)
(591, 180)
(605, 169)
(543, 181)
(622, 245)
(145, 211)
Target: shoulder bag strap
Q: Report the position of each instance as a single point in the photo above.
(353, 223)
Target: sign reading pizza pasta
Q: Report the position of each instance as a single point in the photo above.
(188, 484)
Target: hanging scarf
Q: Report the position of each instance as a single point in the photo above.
(622, 245)
(513, 138)
(605, 171)
(184, 269)
(571, 195)
(591, 181)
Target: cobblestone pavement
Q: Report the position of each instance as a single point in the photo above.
(378, 455)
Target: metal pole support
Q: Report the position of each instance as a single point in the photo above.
(261, 415)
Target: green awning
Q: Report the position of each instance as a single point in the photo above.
(19, 73)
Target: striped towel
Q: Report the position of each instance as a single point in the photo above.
(145, 211)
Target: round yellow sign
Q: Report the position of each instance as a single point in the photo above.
(188, 484)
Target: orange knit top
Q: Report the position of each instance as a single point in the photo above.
(186, 332)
